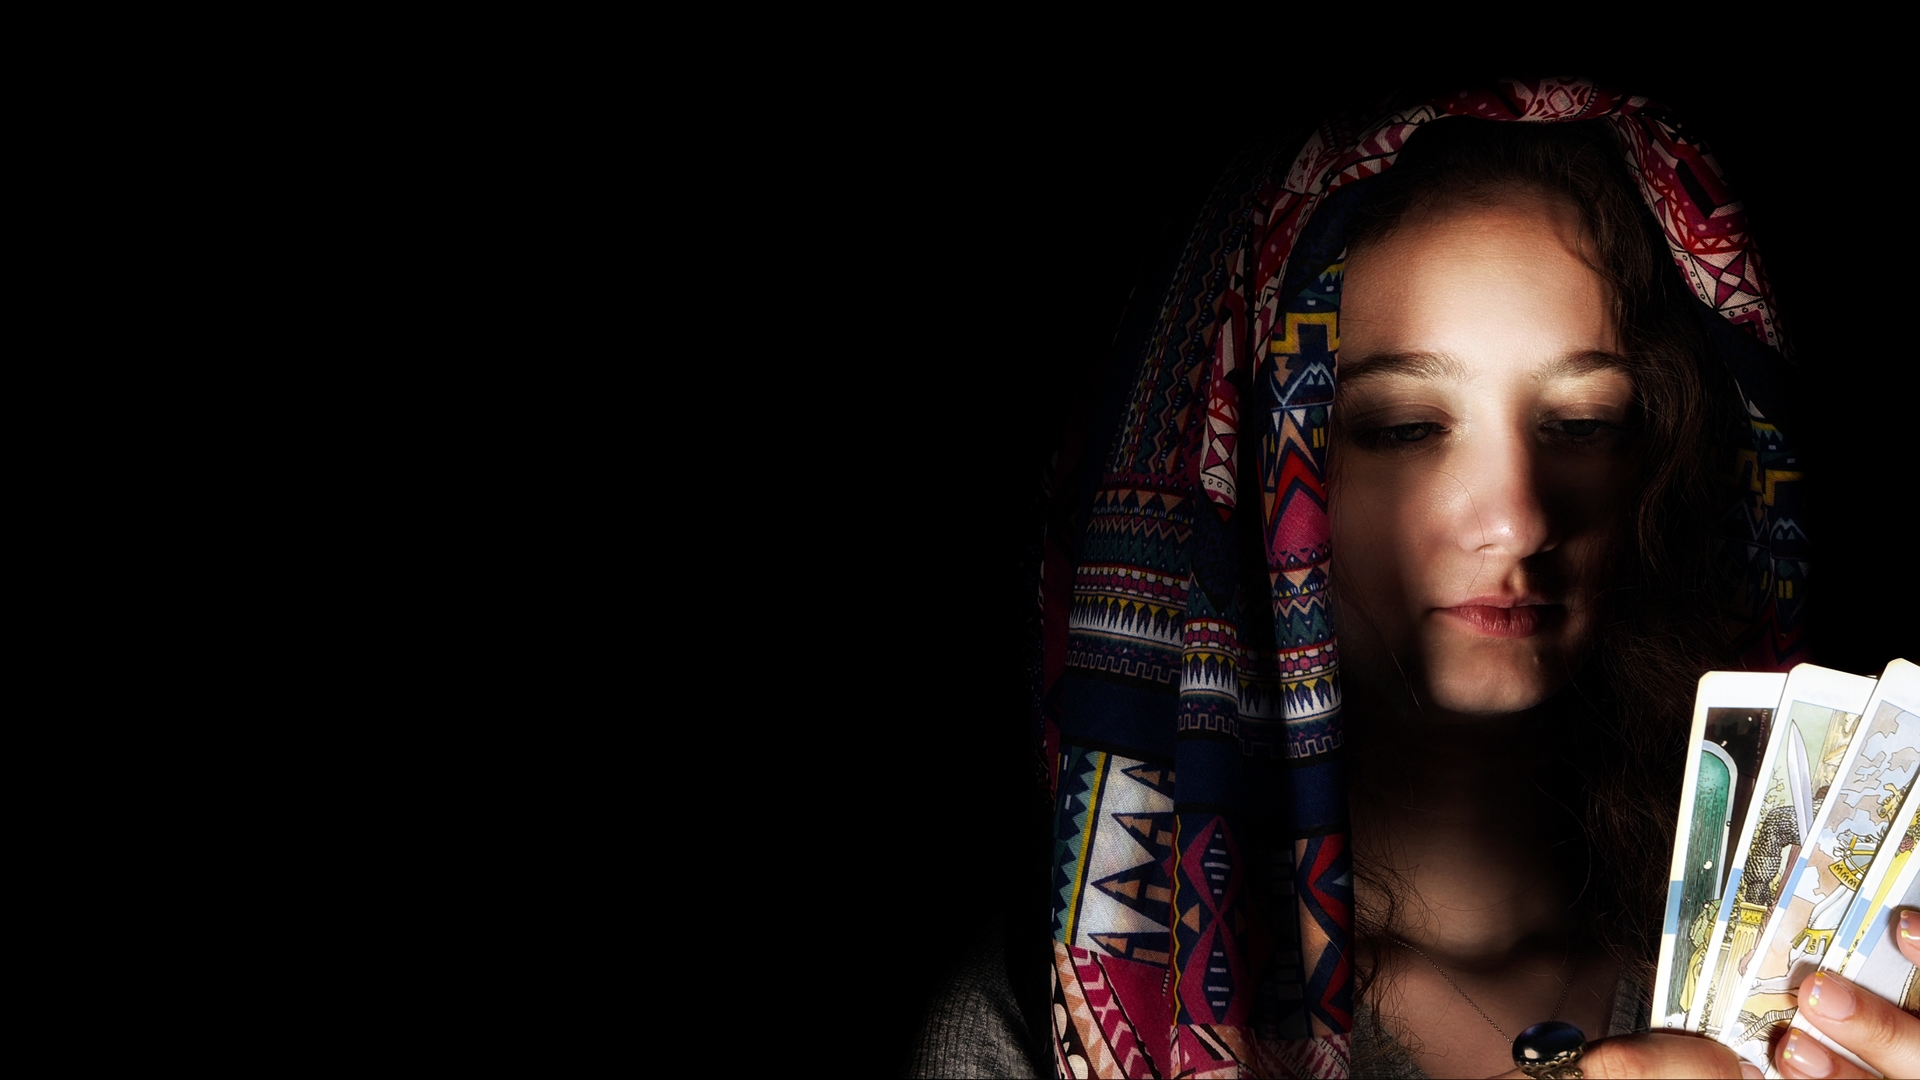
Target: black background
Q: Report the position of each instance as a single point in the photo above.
(980, 228)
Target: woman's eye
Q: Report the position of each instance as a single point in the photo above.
(1579, 429)
(1397, 436)
(1405, 433)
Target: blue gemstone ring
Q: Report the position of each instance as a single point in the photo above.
(1550, 1051)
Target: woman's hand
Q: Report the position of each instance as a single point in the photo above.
(1657, 1054)
(1878, 1032)
(1662, 1054)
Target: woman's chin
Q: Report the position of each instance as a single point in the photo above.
(1492, 681)
(1478, 675)
(1446, 669)
(1490, 693)
(1480, 682)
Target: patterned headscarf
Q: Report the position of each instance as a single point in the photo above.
(1202, 886)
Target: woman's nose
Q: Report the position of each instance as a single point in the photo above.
(1506, 512)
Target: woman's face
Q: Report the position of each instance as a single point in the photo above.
(1483, 467)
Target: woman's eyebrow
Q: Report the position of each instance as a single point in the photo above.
(1413, 365)
(1585, 362)
(1430, 365)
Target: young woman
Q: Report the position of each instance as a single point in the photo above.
(1435, 383)
(1523, 433)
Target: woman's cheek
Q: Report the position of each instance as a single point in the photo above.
(1377, 520)
(1588, 496)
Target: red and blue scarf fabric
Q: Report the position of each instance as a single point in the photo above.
(1202, 886)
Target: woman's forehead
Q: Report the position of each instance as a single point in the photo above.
(1470, 287)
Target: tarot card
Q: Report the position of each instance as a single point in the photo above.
(1732, 717)
(1816, 715)
(1879, 884)
(1871, 782)
(1875, 962)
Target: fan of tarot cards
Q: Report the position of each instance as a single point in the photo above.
(1794, 848)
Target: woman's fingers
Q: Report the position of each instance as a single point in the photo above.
(1655, 1055)
(1878, 1032)
(1801, 1055)
(1661, 1054)
(1909, 936)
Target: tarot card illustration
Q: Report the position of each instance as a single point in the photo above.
(1880, 883)
(1727, 751)
(1875, 963)
(1868, 788)
(1820, 709)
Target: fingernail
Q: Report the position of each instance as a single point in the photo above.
(1830, 998)
(1751, 1073)
(1910, 925)
(1807, 1055)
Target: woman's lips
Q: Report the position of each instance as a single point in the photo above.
(1508, 620)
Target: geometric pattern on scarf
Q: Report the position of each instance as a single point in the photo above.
(1202, 888)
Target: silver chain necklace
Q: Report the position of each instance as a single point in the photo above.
(1565, 987)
